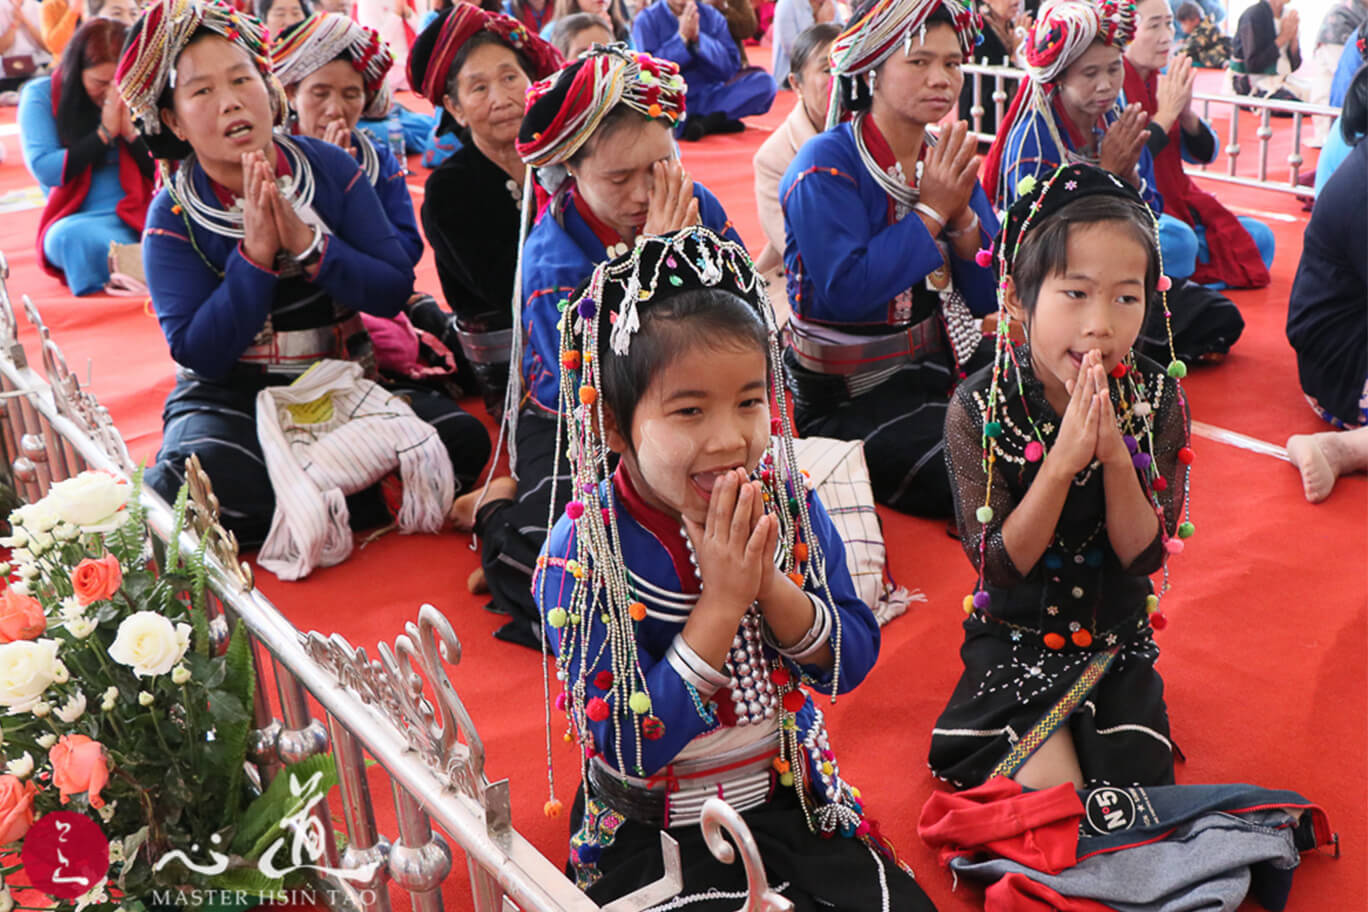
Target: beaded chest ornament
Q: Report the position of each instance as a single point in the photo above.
(1137, 405)
(606, 592)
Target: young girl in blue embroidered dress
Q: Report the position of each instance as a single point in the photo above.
(1069, 460)
(691, 592)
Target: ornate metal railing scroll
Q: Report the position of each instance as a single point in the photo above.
(719, 816)
(401, 708)
(1300, 112)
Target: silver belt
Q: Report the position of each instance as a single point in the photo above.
(296, 350)
(878, 354)
(493, 347)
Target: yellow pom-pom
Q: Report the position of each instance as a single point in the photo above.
(556, 617)
(1151, 604)
(553, 808)
(786, 779)
(640, 703)
(968, 604)
(1026, 185)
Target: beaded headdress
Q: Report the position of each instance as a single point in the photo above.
(322, 38)
(1039, 200)
(565, 109)
(1062, 31)
(604, 594)
(430, 59)
(884, 26)
(148, 63)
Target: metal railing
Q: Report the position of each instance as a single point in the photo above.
(999, 97)
(428, 749)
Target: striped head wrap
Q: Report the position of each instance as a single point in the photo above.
(430, 59)
(877, 29)
(148, 64)
(564, 110)
(1062, 32)
(322, 38)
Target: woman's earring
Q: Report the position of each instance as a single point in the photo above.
(872, 75)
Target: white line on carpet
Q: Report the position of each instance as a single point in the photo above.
(1236, 439)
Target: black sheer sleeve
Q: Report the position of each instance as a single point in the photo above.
(1171, 435)
(964, 457)
(86, 152)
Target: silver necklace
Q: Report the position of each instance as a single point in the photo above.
(297, 189)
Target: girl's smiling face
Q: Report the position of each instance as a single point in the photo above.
(704, 413)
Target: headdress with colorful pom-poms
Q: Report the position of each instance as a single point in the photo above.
(323, 37)
(148, 63)
(1038, 201)
(881, 27)
(599, 322)
(1061, 32)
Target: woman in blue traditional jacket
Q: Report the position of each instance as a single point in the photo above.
(882, 224)
(259, 253)
(598, 135)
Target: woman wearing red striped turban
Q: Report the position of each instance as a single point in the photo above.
(597, 136)
(883, 221)
(260, 252)
(475, 68)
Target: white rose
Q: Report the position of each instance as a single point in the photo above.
(147, 643)
(72, 709)
(145, 698)
(20, 767)
(180, 674)
(42, 708)
(27, 668)
(36, 517)
(46, 741)
(80, 627)
(92, 500)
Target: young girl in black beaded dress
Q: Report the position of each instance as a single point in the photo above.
(1068, 458)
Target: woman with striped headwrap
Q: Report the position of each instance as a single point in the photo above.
(883, 221)
(1070, 109)
(475, 68)
(260, 250)
(597, 137)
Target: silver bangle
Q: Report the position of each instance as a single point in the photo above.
(812, 640)
(953, 233)
(930, 213)
(314, 244)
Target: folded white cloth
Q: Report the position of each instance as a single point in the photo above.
(331, 433)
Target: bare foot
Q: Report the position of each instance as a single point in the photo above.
(462, 512)
(1322, 458)
(476, 582)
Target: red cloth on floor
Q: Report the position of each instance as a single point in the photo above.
(1018, 893)
(1037, 829)
(1234, 257)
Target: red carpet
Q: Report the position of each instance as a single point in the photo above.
(1265, 658)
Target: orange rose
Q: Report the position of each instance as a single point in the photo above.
(21, 617)
(79, 765)
(94, 580)
(16, 808)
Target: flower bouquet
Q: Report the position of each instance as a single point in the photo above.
(118, 708)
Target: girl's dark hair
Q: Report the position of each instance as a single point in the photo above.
(809, 40)
(480, 39)
(1045, 252)
(708, 316)
(1354, 113)
(264, 6)
(863, 98)
(567, 27)
(97, 41)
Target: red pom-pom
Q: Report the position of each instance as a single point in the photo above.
(1055, 641)
(603, 680)
(1186, 456)
(1119, 371)
(1173, 545)
(561, 700)
(794, 700)
(596, 709)
(1082, 639)
(984, 257)
(652, 729)
(574, 509)
(1165, 283)
(1160, 484)
(1158, 620)
(780, 677)
(1034, 451)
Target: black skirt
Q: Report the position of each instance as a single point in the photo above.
(618, 856)
(1014, 694)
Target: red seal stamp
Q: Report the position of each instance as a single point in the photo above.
(65, 854)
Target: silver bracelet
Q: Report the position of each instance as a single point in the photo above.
(953, 233)
(314, 244)
(812, 640)
(930, 213)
